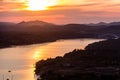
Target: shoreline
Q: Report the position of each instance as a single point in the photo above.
(99, 61)
(9, 46)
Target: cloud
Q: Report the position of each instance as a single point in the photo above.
(61, 15)
(81, 11)
(11, 5)
(74, 6)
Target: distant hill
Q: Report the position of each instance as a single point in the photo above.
(114, 23)
(41, 25)
(98, 24)
(6, 26)
(25, 26)
(39, 31)
(34, 23)
(104, 24)
(6, 23)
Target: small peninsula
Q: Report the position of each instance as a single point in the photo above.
(98, 61)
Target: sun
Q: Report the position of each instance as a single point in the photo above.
(40, 4)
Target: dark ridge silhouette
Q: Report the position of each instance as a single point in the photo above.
(34, 23)
(104, 24)
(104, 45)
(98, 24)
(34, 32)
(99, 61)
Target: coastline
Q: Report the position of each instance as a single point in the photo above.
(99, 60)
(23, 44)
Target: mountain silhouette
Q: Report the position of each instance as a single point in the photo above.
(39, 31)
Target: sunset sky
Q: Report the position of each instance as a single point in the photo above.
(60, 11)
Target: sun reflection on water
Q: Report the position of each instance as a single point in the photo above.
(37, 54)
(21, 60)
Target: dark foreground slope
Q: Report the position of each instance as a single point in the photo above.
(99, 61)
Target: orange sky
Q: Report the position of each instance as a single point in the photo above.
(64, 11)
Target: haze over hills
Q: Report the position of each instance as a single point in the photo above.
(34, 23)
(45, 24)
(104, 24)
(37, 23)
(38, 31)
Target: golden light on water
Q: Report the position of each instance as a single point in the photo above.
(37, 55)
(36, 5)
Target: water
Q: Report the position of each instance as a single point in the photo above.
(20, 60)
